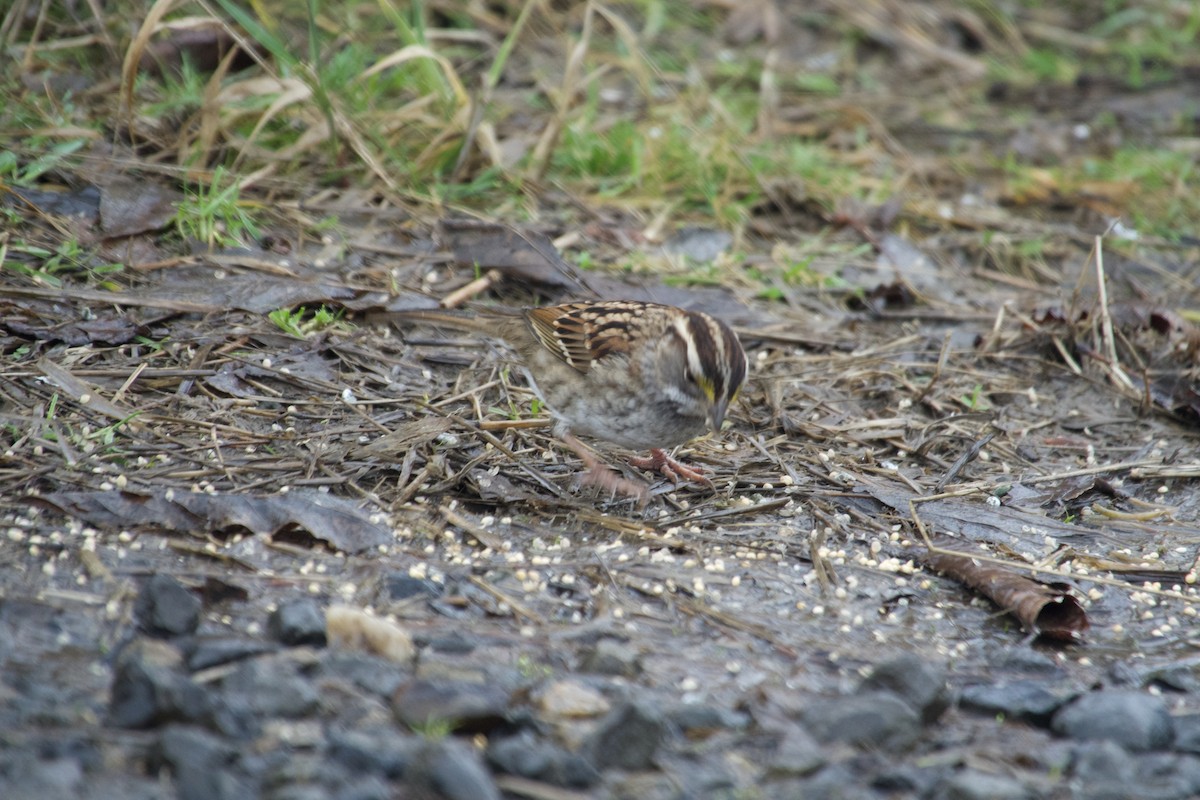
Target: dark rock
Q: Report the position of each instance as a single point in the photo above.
(346, 707)
(1122, 673)
(59, 691)
(104, 786)
(907, 780)
(189, 747)
(1028, 661)
(49, 624)
(454, 643)
(298, 791)
(612, 657)
(200, 763)
(971, 784)
(1181, 676)
(450, 769)
(642, 786)
(369, 788)
(698, 720)
(203, 652)
(797, 754)
(464, 706)
(1168, 776)
(165, 607)
(870, 719)
(149, 687)
(375, 675)
(44, 770)
(233, 719)
(914, 680)
(402, 586)
(708, 775)
(299, 775)
(298, 622)
(1104, 771)
(529, 757)
(69, 746)
(376, 751)
(1024, 701)
(1135, 720)
(1176, 678)
(579, 773)
(271, 686)
(835, 782)
(523, 754)
(34, 778)
(627, 737)
(1187, 733)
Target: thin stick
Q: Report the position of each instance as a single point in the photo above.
(472, 289)
(1115, 371)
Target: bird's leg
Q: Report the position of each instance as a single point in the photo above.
(661, 461)
(602, 476)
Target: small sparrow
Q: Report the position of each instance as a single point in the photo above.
(638, 375)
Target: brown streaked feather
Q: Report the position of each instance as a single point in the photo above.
(608, 333)
(544, 322)
(581, 333)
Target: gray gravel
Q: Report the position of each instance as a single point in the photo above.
(275, 711)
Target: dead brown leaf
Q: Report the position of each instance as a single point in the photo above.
(976, 522)
(1047, 609)
(203, 43)
(131, 205)
(338, 522)
(44, 323)
(524, 256)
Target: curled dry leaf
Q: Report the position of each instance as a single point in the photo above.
(1047, 609)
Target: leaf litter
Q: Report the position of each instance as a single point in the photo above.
(299, 413)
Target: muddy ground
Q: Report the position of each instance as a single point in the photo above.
(200, 505)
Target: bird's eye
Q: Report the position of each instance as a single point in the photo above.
(688, 376)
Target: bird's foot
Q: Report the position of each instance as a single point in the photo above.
(604, 477)
(660, 461)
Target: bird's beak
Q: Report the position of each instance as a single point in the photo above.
(716, 416)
